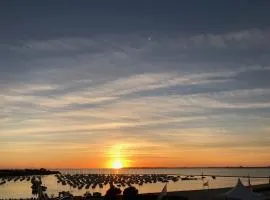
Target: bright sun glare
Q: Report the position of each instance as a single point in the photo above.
(117, 164)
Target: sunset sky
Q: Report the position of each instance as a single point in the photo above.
(89, 84)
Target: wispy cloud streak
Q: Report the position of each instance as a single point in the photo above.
(186, 91)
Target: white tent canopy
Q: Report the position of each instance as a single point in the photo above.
(240, 192)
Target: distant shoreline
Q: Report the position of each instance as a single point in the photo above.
(26, 172)
(202, 167)
(241, 167)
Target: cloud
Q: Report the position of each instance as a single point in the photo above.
(198, 90)
(113, 106)
(111, 42)
(239, 39)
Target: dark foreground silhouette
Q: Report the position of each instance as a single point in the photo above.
(114, 193)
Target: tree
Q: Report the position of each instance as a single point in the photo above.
(38, 189)
(87, 195)
(65, 194)
(112, 192)
(130, 193)
(97, 194)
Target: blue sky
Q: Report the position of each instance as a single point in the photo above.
(147, 78)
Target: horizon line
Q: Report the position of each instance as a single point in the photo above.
(160, 167)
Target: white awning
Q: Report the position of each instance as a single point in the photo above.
(241, 192)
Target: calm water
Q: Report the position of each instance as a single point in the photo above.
(23, 189)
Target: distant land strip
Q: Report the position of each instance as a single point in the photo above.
(200, 167)
(203, 167)
(26, 172)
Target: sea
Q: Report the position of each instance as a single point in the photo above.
(229, 178)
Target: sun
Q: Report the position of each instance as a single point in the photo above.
(117, 164)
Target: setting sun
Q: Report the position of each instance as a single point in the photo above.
(117, 164)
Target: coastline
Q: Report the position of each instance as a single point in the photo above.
(205, 194)
(145, 193)
(26, 172)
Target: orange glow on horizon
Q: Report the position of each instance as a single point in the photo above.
(117, 157)
(124, 155)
